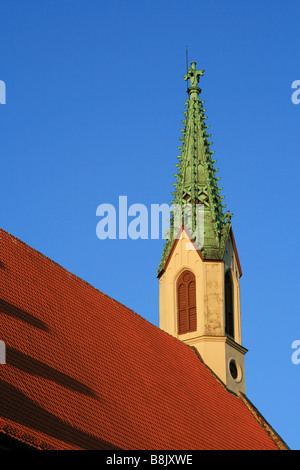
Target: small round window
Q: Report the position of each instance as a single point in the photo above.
(233, 369)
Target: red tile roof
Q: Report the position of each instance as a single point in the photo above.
(85, 372)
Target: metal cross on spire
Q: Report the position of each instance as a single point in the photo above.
(194, 76)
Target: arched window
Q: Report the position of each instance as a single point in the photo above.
(229, 313)
(186, 302)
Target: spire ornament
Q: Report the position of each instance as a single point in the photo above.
(194, 76)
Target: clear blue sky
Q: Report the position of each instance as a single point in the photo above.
(95, 95)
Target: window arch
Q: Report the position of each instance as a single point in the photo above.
(229, 309)
(186, 302)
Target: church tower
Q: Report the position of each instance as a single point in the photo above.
(199, 273)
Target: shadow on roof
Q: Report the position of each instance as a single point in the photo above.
(37, 368)
(19, 408)
(11, 310)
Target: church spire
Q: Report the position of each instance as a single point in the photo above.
(199, 287)
(197, 182)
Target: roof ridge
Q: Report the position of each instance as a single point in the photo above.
(79, 279)
(276, 438)
(213, 373)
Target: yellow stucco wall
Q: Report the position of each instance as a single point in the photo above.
(214, 346)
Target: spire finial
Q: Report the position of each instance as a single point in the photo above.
(194, 76)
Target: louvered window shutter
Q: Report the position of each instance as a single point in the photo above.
(186, 302)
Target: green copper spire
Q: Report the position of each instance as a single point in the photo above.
(197, 182)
